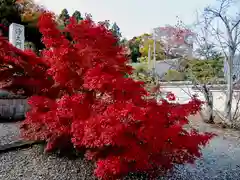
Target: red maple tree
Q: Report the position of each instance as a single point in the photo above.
(80, 97)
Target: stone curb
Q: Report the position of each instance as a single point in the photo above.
(17, 145)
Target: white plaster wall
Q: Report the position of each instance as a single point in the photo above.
(183, 94)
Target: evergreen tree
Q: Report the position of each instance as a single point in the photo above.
(77, 15)
(134, 49)
(64, 16)
(116, 31)
(209, 52)
(10, 12)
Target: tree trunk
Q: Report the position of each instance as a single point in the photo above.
(209, 100)
(229, 93)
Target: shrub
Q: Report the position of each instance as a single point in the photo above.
(139, 67)
(143, 59)
(204, 71)
(173, 75)
(80, 98)
(142, 73)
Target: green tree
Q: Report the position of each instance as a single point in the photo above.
(116, 31)
(134, 46)
(205, 71)
(146, 41)
(77, 15)
(10, 12)
(209, 68)
(124, 41)
(209, 51)
(64, 17)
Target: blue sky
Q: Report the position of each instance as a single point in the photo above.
(134, 17)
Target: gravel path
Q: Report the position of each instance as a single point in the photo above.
(9, 132)
(31, 164)
(220, 161)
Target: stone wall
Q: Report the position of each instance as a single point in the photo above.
(13, 108)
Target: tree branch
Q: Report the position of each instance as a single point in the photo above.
(236, 25)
